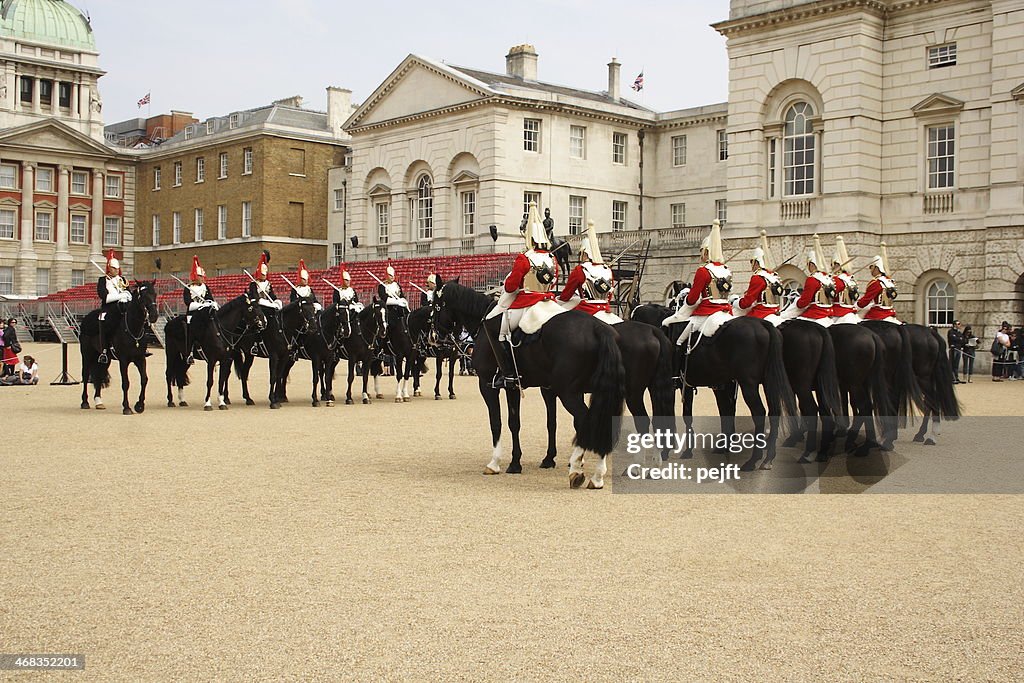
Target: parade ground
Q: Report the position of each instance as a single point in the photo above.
(363, 543)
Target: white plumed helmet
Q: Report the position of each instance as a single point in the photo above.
(713, 243)
(536, 235)
(841, 258)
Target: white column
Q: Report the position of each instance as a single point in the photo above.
(96, 229)
(27, 256)
(36, 107)
(75, 114)
(55, 97)
(62, 257)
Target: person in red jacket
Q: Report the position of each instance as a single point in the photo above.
(589, 286)
(706, 307)
(529, 283)
(815, 302)
(876, 304)
(844, 304)
(762, 297)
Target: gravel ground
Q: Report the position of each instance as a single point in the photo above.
(362, 542)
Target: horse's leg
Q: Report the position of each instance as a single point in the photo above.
(365, 371)
(752, 397)
(808, 422)
(126, 408)
(314, 362)
(688, 392)
(86, 369)
(552, 412)
(491, 397)
(725, 397)
(578, 409)
(410, 372)
(933, 435)
(244, 377)
(514, 400)
(140, 364)
(399, 373)
(452, 360)
(438, 374)
(275, 370)
(919, 437)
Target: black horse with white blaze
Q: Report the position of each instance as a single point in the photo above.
(430, 344)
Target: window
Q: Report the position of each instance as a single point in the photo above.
(772, 165)
(940, 303)
(65, 95)
(720, 211)
(577, 142)
(211, 125)
(233, 120)
(530, 198)
(42, 281)
(424, 209)
(941, 156)
(8, 221)
(531, 135)
(679, 150)
(678, 215)
(222, 222)
(190, 131)
(44, 226)
(176, 227)
(577, 214)
(8, 177)
(468, 213)
(199, 225)
(113, 188)
(77, 278)
(618, 216)
(619, 148)
(798, 151)
(942, 55)
(297, 162)
(201, 170)
(45, 92)
(76, 230)
(177, 174)
(156, 230)
(111, 231)
(26, 89)
(44, 180)
(6, 279)
(383, 227)
(247, 161)
(723, 145)
(246, 219)
(223, 165)
(79, 182)
(339, 199)
(339, 253)
(156, 178)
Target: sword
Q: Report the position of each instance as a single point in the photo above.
(336, 288)
(175, 277)
(623, 252)
(98, 267)
(289, 282)
(379, 281)
(418, 287)
(250, 275)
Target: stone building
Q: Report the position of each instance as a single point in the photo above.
(228, 187)
(65, 197)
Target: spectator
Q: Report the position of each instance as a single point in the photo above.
(1000, 350)
(1016, 355)
(955, 338)
(27, 373)
(970, 350)
(11, 348)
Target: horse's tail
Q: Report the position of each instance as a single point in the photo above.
(881, 392)
(663, 391)
(100, 374)
(599, 430)
(826, 377)
(777, 389)
(908, 390)
(238, 364)
(942, 377)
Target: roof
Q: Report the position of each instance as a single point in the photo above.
(272, 115)
(49, 22)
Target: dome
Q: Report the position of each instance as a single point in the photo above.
(48, 22)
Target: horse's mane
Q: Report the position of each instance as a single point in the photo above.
(231, 305)
(475, 303)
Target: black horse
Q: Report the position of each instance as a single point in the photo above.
(320, 344)
(299, 322)
(811, 367)
(396, 343)
(272, 344)
(573, 354)
(359, 348)
(863, 384)
(128, 345)
(429, 344)
(217, 334)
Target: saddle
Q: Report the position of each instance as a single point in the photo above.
(521, 338)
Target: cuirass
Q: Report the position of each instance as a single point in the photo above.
(821, 296)
(598, 280)
(721, 282)
(542, 267)
(772, 281)
(849, 295)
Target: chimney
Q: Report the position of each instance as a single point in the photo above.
(521, 62)
(339, 107)
(613, 79)
(293, 101)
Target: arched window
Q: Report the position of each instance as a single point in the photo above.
(798, 160)
(424, 208)
(940, 300)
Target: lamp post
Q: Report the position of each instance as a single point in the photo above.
(640, 136)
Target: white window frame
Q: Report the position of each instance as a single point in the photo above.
(721, 211)
(528, 197)
(577, 142)
(246, 219)
(620, 142)
(677, 215)
(247, 160)
(233, 120)
(469, 213)
(679, 150)
(619, 212)
(156, 177)
(339, 253)
(211, 126)
(177, 174)
(940, 56)
(44, 173)
(83, 221)
(531, 135)
(933, 313)
(197, 222)
(339, 199)
(116, 186)
(12, 184)
(6, 279)
(799, 143)
(383, 211)
(222, 170)
(84, 176)
(200, 169)
(189, 132)
(109, 221)
(723, 144)
(49, 225)
(39, 281)
(577, 214)
(222, 221)
(156, 230)
(176, 227)
(940, 158)
(13, 224)
(77, 277)
(424, 208)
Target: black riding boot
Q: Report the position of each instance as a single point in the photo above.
(189, 359)
(506, 376)
(102, 358)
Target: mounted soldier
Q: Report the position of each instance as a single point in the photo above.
(706, 306)
(198, 297)
(589, 287)
(260, 289)
(303, 290)
(815, 303)
(529, 284)
(389, 291)
(346, 296)
(112, 290)
(427, 297)
(844, 303)
(876, 304)
(762, 297)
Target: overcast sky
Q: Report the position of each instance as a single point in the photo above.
(213, 57)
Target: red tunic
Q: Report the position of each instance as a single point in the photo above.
(514, 283)
(575, 286)
(874, 295)
(701, 280)
(839, 309)
(812, 309)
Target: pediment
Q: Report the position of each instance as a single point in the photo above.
(7, 201)
(79, 206)
(53, 136)
(417, 86)
(937, 104)
(1018, 92)
(465, 177)
(45, 204)
(380, 189)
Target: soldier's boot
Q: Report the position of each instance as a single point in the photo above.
(189, 359)
(506, 377)
(102, 359)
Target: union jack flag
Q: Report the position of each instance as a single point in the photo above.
(638, 84)
(144, 101)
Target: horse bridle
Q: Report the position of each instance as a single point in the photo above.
(146, 325)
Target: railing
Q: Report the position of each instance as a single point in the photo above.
(404, 251)
(795, 209)
(687, 236)
(938, 203)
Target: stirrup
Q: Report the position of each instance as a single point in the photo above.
(190, 360)
(102, 359)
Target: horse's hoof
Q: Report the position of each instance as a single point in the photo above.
(316, 404)
(330, 404)
(100, 406)
(918, 438)
(183, 404)
(284, 399)
(929, 442)
(417, 393)
(822, 457)
(576, 480)
(222, 407)
(437, 397)
(227, 400)
(140, 407)
(718, 450)
(593, 487)
(366, 401)
(514, 469)
(349, 401)
(791, 441)
(488, 471)
(451, 397)
(687, 454)
(249, 402)
(207, 408)
(398, 399)
(748, 466)
(275, 406)
(127, 411)
(405, 399)
(85, 405)
(888, 446)
(766, 466)
(862, 451)
(379, 396)
(547, 464)
(805, 458)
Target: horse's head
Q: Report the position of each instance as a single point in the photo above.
(253, 315)
(442, 317)
(307, 314)
(379, 311)
(343, 319)
(144, 295)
